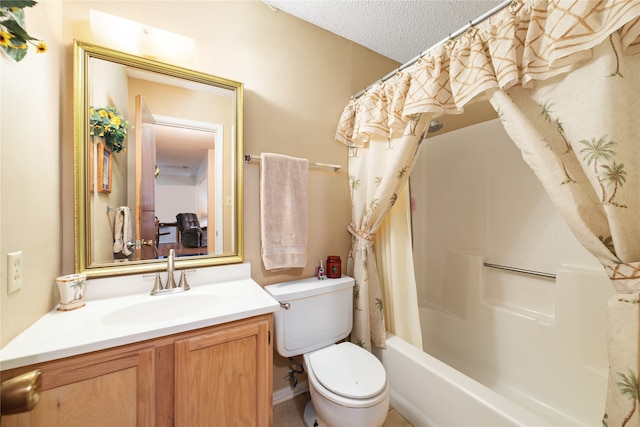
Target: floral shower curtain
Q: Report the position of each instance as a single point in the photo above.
(564, 78)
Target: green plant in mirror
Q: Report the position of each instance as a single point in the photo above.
(14, 38)
(107, 123)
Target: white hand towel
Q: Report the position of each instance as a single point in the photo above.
(284, 200)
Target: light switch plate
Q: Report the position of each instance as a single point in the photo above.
(14, 271)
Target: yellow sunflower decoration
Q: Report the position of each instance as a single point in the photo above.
(14, 39)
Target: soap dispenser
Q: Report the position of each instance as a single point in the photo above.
(321, 275)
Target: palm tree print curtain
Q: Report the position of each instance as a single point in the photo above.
(564, 78)
(580, 135)
(378, 169)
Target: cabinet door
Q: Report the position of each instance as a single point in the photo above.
(102, 389)
(223, 378)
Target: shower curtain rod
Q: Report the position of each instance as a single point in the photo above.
(453, 35)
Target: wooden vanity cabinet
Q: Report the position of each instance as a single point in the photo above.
(215, 376)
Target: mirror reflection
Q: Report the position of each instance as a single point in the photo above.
(160, 149)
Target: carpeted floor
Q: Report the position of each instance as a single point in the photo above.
(289, 414)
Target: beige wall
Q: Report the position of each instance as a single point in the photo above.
(297, 79)
(35, 160)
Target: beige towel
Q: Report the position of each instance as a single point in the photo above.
(284, 200)
(122, 231)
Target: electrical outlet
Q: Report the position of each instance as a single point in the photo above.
(14, 271)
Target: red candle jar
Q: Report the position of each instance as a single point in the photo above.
(334, 267)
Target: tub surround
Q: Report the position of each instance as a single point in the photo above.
(537, 341)
(120, 311)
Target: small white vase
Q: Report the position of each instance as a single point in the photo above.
(71, 288)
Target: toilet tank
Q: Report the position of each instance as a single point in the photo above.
(318, 313)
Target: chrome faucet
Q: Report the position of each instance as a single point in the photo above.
(171, 282)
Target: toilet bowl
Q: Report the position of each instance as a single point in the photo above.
(348, 386)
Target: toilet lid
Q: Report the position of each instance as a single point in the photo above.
(348, 370)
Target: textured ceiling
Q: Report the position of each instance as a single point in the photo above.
(397, 29)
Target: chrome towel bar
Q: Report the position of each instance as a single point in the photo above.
(250, 157)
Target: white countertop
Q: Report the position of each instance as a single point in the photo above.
(108, 322)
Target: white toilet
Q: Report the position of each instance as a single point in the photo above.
(348, 385)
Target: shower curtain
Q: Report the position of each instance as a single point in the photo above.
(397, 274)
(564, 78)
(379, 166)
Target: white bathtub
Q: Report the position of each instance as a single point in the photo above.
(429, 393)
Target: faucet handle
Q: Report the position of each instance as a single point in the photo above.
(157, 286)
(183, 281)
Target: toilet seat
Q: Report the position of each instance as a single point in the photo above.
(347, 374)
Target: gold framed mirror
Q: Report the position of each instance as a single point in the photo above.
(168, 143)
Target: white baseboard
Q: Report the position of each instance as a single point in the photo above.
(286, 393)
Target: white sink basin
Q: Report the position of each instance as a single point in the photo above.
(163, 308)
